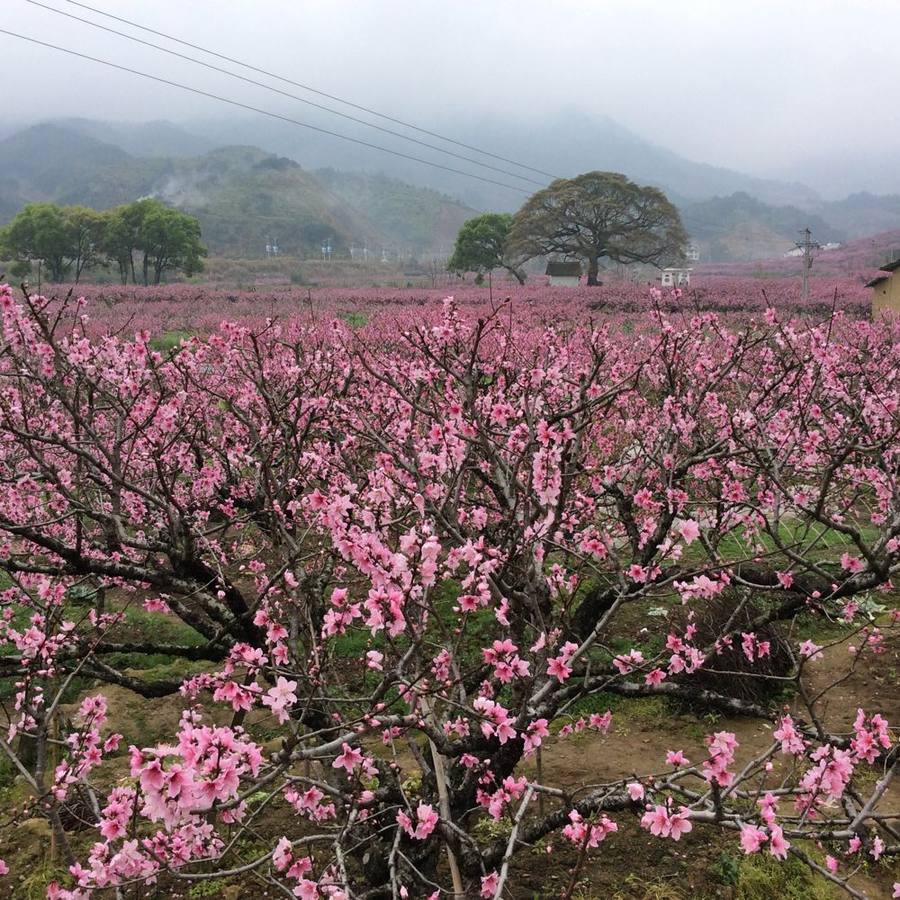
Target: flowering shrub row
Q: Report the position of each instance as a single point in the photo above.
(477, 503)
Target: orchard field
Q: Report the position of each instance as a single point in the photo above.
(523, 592)
(189, 308)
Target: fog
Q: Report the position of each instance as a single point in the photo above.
(796, 91)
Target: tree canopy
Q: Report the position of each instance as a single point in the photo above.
(169, 240)
(595, 216)
(40, 231)
(67, 240)
(481, 246)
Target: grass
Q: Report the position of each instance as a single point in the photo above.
(637, 710)
(761, 877)
(659, 889)
(165, 629)
(211, 888)
(796, 532)
(169, 340)
(355, 319)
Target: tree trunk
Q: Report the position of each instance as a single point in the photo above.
(517, 273)
(593, 269)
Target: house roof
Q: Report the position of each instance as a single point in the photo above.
(877, 280)
(558, 268)
(891, 266)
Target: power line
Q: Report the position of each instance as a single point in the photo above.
(312, 90)
(276, 90)
(264, 112)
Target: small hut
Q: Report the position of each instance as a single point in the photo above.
(564, 274)
(886, 290)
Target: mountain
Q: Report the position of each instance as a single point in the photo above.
(562, 142)
(246, 196)
(243, 196)
(740, 227)
(857, 259)
(145, 139)
(863, 213)
(44, 161)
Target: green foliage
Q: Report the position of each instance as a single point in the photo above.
(169, 240)
(598, 215)
(40, 232)
(726, 869)
(83, 594)
(481, 246)
(86, 228)
(68, 240)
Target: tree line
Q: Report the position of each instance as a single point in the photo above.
(595, 216)
(143, 240)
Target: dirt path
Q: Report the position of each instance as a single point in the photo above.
(632, 864)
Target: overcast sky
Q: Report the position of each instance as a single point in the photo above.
(757, 85)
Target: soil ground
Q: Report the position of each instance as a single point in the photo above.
(629, 864)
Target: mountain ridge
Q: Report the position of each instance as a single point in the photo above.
(247, 196)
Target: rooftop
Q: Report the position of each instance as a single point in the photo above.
(558, 268)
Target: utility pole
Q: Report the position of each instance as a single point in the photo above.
(807, 245)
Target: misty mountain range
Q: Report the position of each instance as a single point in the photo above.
(248, 180)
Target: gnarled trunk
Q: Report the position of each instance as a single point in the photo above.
(593, 270)
(518, 274)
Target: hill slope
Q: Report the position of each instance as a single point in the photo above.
(858, 259)
(243, 196)
(559, 141)
(246, 196)
(740, 227)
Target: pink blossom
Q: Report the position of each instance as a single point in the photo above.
(676, 758)
(689, 531)
(852, 564)
(558, 669)
(778, 845)
(810, 650)
(426, 822)
(661, 823)
(349, 758)
(489, 884)
(752, 838)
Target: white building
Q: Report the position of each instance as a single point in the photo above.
(675, 276)
(692, 254)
